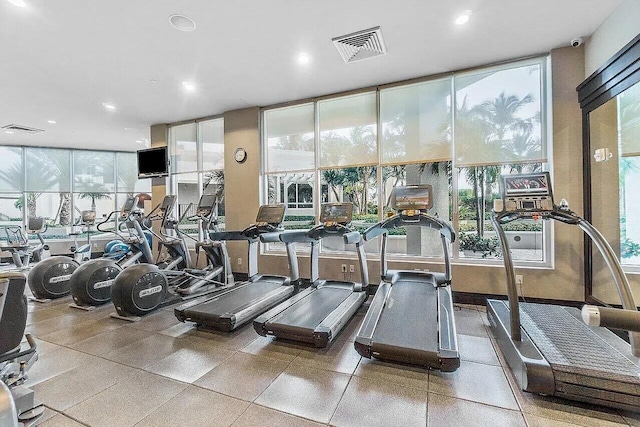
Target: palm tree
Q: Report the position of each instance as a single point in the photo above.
(334, 178)
(94, 191)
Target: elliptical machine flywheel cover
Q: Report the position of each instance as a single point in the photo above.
(50, 278)
(139, 290)
(91, 282)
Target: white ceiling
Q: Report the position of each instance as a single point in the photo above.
(63, 59)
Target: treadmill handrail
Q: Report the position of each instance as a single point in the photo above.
(296, 236)
(424, 220)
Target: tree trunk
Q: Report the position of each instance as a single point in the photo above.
(65, 211)
(31, 205)
(335, 193)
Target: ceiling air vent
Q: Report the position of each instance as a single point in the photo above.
(360, 45)
(22, 129)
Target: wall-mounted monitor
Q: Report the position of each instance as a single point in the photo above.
(153, 163)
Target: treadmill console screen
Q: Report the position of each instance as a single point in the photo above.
(271, 214)
(336, 212)
(526, 184)
(206, 203)
(412, 197)
(527, 192)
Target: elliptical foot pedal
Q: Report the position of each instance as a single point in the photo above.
(82, 307)
(127, 318)
(40, 300)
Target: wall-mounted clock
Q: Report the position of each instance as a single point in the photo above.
(240, 155)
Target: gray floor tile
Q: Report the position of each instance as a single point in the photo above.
(372, 403)
(469, 322)
(81, 383)
(339, 356)
(154, 322)
(244, 376)
(406, 376)
(230, 340)
(56, 362)
(127, 402)
(145, 352)
(41, 315)
(81, 331)
(536, 421)
(194, 358)
(107, 342)
(273, 348)
(305, 392)
(477, 382)
(477, 349)
(61, 420)
(196, 407)
(53, 325)
(259, 416)
(449, 411)
(351, 330)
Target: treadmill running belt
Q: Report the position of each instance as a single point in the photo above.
(410, 317)
(233, 301)
(310, 311)
(577, 354)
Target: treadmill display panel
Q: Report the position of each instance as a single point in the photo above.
(416, 197)
(270, 214)
(336, 212)
(527, 184)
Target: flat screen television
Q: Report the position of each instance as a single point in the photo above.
(153, 163)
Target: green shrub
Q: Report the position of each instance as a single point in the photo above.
(629, 248)
(487, 246)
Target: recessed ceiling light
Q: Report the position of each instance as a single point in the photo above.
(303, 58)
(8, 131)
(189, 86)
(18, 3)
(138, 141)
(182, 23)
(153, 81)
(108, 106)
(463, 18)
(53, 122)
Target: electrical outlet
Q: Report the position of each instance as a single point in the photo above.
(239, 261)
(352, 269)
(344, 268)
(519, 280)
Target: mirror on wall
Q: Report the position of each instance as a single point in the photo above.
(615, 187)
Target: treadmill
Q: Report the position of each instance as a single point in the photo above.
(318, 313)
(548, 347)
(231, 309)
(410, 319)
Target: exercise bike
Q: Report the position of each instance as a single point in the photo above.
(145, 288)
(91, 282)
(17, 403)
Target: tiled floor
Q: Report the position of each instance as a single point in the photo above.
(95, 370)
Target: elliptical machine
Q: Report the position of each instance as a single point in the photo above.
(18, 243)
(91, 282)
(49, 278)
(145, 288)
(17, 403)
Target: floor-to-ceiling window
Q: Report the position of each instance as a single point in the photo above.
(197, 167)
(457, 133)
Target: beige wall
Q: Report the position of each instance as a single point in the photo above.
(615, 32)
(159, 138)
(242, 182)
